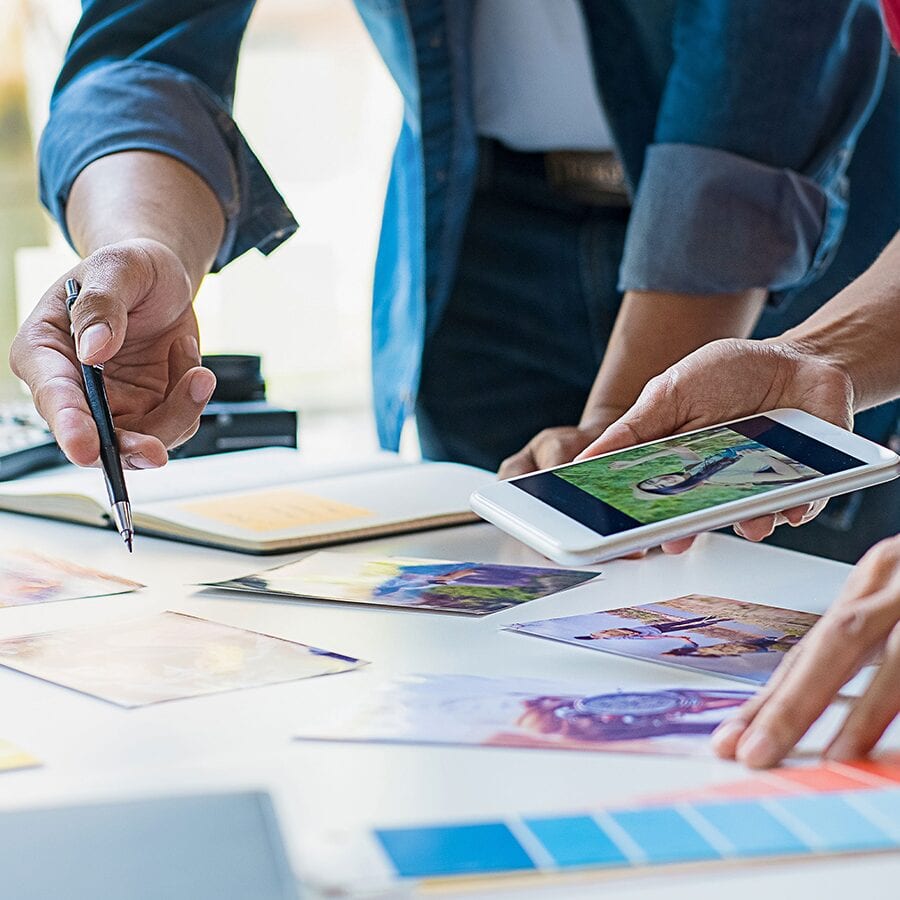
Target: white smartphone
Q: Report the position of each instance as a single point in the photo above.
(632, 499)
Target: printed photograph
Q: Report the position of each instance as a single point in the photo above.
(686, 474)
(27, 578)
(13, 757)
(169, 656)
(475, 589)
(512, 712)
(717, 635)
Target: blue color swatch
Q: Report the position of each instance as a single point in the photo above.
(454, 850)
(751, 829)
(836, 825)
(664, 835)
(886, 804)
(789, 825)
(576, 841)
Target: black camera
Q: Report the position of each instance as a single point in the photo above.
(238, 417)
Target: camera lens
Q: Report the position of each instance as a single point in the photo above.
(238, 378)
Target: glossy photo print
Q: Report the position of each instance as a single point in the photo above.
(726, 637)
(512, 712)
(13, 757)
(169, 656)
(27, 577)
(685, 474)
(475, 589)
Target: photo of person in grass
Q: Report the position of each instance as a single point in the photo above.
(464, 587)
(718, 635)
(685, 474)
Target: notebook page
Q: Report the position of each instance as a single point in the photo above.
(312, 507)
(199, 476)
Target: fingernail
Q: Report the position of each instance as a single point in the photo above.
(757, 751)
(727, 735)
(93, 339)
(137, 461)
(201, 387)
(191, 347)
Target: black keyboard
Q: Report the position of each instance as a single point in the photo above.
(26, 443)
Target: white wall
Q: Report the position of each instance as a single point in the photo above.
(321, 111)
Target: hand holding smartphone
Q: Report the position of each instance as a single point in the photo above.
(632, 499)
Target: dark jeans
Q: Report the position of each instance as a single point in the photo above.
(520, 342)
(535, 298)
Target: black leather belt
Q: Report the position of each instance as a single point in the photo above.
(585, 177)
(595, 178)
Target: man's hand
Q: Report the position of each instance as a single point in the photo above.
(554, 446)
(726, 380)
(864, 622)
(653, 330)
(134, 315)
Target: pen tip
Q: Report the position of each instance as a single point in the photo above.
(129, 541)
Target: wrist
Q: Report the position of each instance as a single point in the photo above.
(144, 196)
(808, 354)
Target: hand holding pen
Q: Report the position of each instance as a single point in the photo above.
(110, 461)
(135, 317)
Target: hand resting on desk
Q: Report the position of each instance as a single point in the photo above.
(863, 623)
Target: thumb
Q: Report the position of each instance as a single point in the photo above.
(112, 282)
(652, 416)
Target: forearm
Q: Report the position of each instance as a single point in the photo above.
(138, 194)
(655, 330)
(859, 331)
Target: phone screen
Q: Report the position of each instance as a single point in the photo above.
(685, 474)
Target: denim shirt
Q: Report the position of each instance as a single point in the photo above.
(735, 121)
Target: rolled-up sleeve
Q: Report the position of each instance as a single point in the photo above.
(142, 76)
(744, 185)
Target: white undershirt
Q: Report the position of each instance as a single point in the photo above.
(533, 77)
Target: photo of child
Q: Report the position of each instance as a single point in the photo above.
(685, 474)
(507, 712)
(475, 589)
(726, 637)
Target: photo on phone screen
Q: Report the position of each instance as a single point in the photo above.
(685, 474)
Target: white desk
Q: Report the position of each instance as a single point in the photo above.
(92, 749)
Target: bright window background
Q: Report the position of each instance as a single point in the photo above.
(322, 113)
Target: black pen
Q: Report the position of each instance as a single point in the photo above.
(109, 447)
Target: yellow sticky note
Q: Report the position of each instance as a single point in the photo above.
(13, 757)
(275, 510)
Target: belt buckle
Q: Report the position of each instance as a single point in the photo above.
(595, 178)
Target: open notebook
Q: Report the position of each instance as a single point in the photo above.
(263, 501)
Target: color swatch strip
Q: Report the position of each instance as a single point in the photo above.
(822, 778)
(789, 825)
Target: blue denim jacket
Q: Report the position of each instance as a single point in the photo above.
(735, 121)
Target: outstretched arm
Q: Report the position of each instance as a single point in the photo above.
(149, 229)
(153, 184)
(841, 360)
